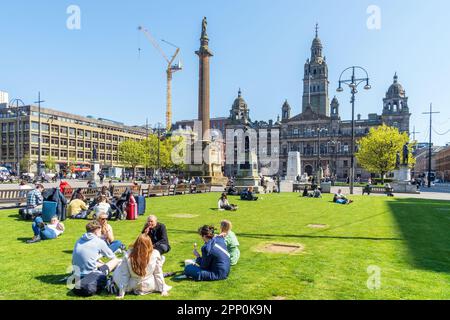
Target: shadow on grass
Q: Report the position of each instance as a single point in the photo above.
(425, 226)
(307, 236)
(68, 251)
(60, 279)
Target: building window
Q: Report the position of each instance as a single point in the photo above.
(55, 141)
(72, 155)
(72, 131)
(345, 163)
(72, 143)
(63, 131)
(95, 135)
(102, 146)
(80, 144)
(63, 154)
(80, 133)
(108, 137)
(102, 136)
(80, 155)
(45, 139)
(55, 129)
(45, 127)
(63, 142)
(55, 153)
(45, 152)
(87, 145)
(87, 156)
(88, 134)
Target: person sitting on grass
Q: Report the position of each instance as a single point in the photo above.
(158, 234)
(247, 195)
(107, 234)
(78, 208)
(44, 231)
(339, 198)
(231, 241)
(305, 192)
(317, 193)
(35, 200)
(225, 205)
(102, 206)
(214, 262)
(86, 261)
(141, 271)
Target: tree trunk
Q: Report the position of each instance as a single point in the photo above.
(383, 175)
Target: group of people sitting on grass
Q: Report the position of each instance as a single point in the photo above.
(140, 270)
(316, 193)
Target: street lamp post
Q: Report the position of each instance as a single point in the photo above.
(39, 133)
(353, 83)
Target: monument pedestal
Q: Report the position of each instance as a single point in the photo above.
(293, 166)
(247, 175)
(402, 181)
(96, 170)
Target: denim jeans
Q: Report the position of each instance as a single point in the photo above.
(115, 245)
(45, 233)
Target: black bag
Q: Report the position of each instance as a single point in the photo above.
(91, 285)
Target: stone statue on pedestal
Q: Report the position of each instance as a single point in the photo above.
(406, 154)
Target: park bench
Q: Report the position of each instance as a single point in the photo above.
(203, 188)
(162, 190)
(299, 187)
(13, 196)
(377, 190)
(182, 189)
(119, 190)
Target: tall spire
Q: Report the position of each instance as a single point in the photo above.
(317, 30)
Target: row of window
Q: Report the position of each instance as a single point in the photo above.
(80, 155)
(66, 131)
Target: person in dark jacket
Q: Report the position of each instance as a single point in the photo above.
(158, 233)
(214, 263)
(55, 195)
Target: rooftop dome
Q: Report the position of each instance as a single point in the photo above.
(396, 89)
(239, 103)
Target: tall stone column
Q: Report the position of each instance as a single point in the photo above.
(204, 55)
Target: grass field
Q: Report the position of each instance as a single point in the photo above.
(409, 240)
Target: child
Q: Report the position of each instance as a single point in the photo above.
(231, 241)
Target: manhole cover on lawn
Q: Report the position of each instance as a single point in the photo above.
(184, 216)
(282, 248)
(317, 226)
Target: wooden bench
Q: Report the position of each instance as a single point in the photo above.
(182, 189)
(119, 190)
(14, 196)
(377, 190)
(162, 190)
(203, 188)
(299, 187)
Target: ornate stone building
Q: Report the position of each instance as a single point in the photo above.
(319, 133)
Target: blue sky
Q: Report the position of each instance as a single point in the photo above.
(259, 45)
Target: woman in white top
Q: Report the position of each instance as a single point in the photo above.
(224, 204)
(141, 270)
(102, 206)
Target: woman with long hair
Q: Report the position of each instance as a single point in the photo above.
(141, 270)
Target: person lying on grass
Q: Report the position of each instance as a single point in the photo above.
(339, 198)
(231, 241)
(44, 231)
(214, 263)
(224, 204)
(141, 271)
(88, 267)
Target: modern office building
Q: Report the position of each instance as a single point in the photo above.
(69, 139)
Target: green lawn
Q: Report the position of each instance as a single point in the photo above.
(408, 239)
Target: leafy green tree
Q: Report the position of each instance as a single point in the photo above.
(132, 153)
(25, 163)
(166, 147)
(50, 164)
(377, 152)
